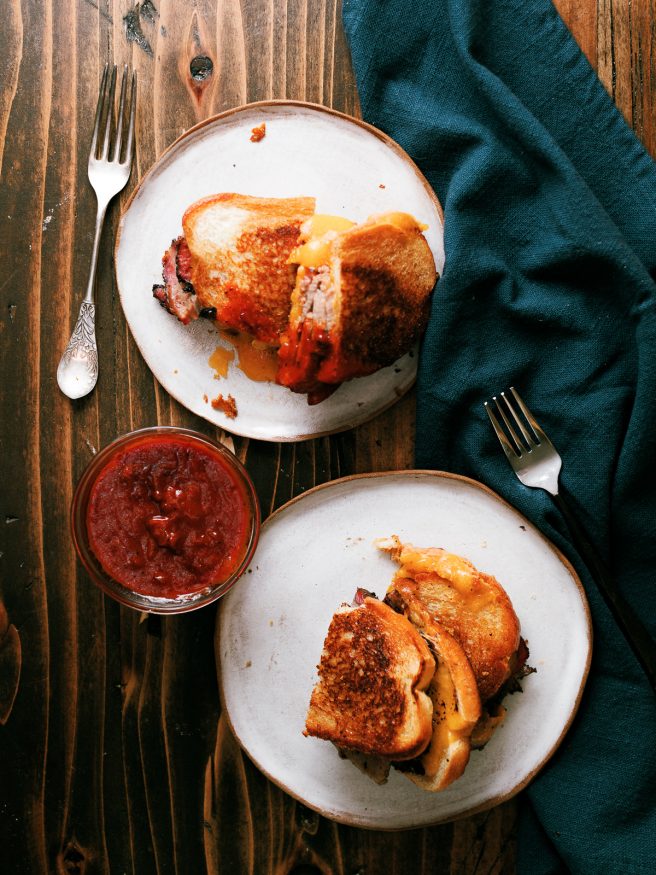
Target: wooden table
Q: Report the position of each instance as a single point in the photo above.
(114, 756)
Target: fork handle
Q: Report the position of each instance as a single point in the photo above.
(100, 221)
(633, 629)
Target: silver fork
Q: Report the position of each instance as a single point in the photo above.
(109, 172)
(536, 462)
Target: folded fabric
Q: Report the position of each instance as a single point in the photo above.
(550, 236)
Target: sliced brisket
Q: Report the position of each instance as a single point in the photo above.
(177, 295)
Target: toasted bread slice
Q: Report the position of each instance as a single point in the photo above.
(240, 246)
(360, 302)
(471, 605)
(370, 697)
(385, 273)
(455, 696)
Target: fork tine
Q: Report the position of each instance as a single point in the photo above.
(531, 440)
(133, 106)
(116, 152)
(101, 100)
(541, 436)
(519, 446)
(506, 446)
(110, 113)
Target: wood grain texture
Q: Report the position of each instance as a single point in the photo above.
(114, 756)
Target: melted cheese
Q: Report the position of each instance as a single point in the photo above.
(257, 360)
(320, 223)
(459, 573)
(448, 725)
(220, 361)
(320, 231)
(403, 221)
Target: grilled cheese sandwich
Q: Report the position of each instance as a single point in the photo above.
(336, 299)
(471, 632)
(470, 604)
(371, 695)
(360, 300)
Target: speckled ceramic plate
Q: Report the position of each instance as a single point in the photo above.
(312, 555)
(351, 169)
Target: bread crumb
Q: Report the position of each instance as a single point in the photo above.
(226, 405)
(205, 398)
(381, 185)
(258, 133)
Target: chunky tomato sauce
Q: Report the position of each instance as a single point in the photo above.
(168, 516)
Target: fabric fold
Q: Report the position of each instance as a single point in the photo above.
(550, 239)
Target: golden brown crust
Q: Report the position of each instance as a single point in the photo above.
(361, 309)
(243, 273)
(447, 755)
(386, 275)
(449, 651)
(471, 605)
(374, 670)
(451, 768)
(262, 209)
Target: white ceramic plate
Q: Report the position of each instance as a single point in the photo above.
(311, 556)
(351, 169)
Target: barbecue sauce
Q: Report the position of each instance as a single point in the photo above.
(167, 516)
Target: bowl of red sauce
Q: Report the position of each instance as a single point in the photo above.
(165, 519)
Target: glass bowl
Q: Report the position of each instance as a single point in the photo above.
(121, 591)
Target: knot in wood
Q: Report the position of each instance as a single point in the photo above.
(201, 67)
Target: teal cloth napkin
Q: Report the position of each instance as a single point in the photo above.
(550, 236)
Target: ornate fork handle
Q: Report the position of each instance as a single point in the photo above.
(82, 346)
(77, 373)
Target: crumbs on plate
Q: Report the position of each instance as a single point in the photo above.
(258, 133)
(225, 405)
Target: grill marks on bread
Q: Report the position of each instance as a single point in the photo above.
(386, 275)
(373, 672)
(338, 300)
(240, 246)
(379, 277)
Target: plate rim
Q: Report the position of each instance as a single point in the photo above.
(500, 797)
(401, 391)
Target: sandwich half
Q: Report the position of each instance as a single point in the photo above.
(395, 689)
(475, 610)
(371, 695)
(361, 300)
(471, 605)
(232, 263)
